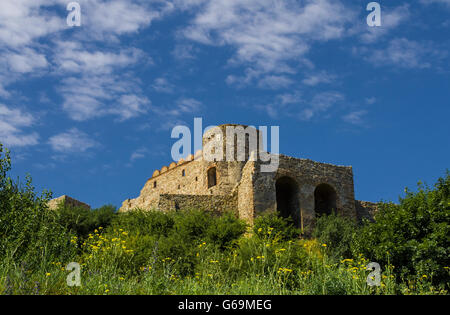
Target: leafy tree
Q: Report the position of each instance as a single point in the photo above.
(414, 235)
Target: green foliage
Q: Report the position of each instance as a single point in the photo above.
(279, 225)
(29, 232)
(414, 235)
(145, 222)
(225, 231)
(82, 221)
(156, 236)
(337, 232)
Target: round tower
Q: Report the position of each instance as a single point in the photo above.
(226, 149)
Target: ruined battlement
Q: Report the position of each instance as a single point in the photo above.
(66, 201)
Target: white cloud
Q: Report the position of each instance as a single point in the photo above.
(72, 141)
(405, 53)
(89, 97)
(445, 2)
(26, 61)
(3, 92)
(355, 117)
(168, 117)
(162, 85)
(314, 79)
(22, 24)
(290, 98)
(93, 88)
(321, 103)
(12, 121)
(23, 21)
(371, 100)
(281, 104)
(268, 35)
(390, 19)
(183, 52)
(185, 106)
(73, 57)
(130, 106)
(274, 82)
(294, 105)
(112, 18)
(138, 154)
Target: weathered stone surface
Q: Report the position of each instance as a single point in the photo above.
(300, 188)
(214, 203)
(366, 210)
(66, 201)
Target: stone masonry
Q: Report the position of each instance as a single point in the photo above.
(300, 189)
(66, 201)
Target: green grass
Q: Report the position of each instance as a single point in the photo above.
(256, 265)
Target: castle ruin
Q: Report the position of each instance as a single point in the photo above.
(300, 188)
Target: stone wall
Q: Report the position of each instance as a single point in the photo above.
(366, 210)
(214, 203)
(186, 177)
(307, 175)
(66, 201)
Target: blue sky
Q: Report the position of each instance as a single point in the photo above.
(88, 111)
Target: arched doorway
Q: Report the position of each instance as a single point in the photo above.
(288, 204)
(325, 200)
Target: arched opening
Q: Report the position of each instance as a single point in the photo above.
(288, 204)
(324, 200)
(212, 177)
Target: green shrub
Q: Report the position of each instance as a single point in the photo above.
(82, 221)
(225, 230)
(143, 222)
(337, 233)
(158, 238)
(191, 225)
(276, 224)
(413, 236)
(30, 234)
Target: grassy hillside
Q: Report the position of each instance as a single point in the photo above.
(193, 252)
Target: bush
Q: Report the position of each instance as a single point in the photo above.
(145, 222)
(224, 231)
(156, 236)
(337, 233)
(30, 233)
(413, 235)
(82, 221)
(275, 224)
